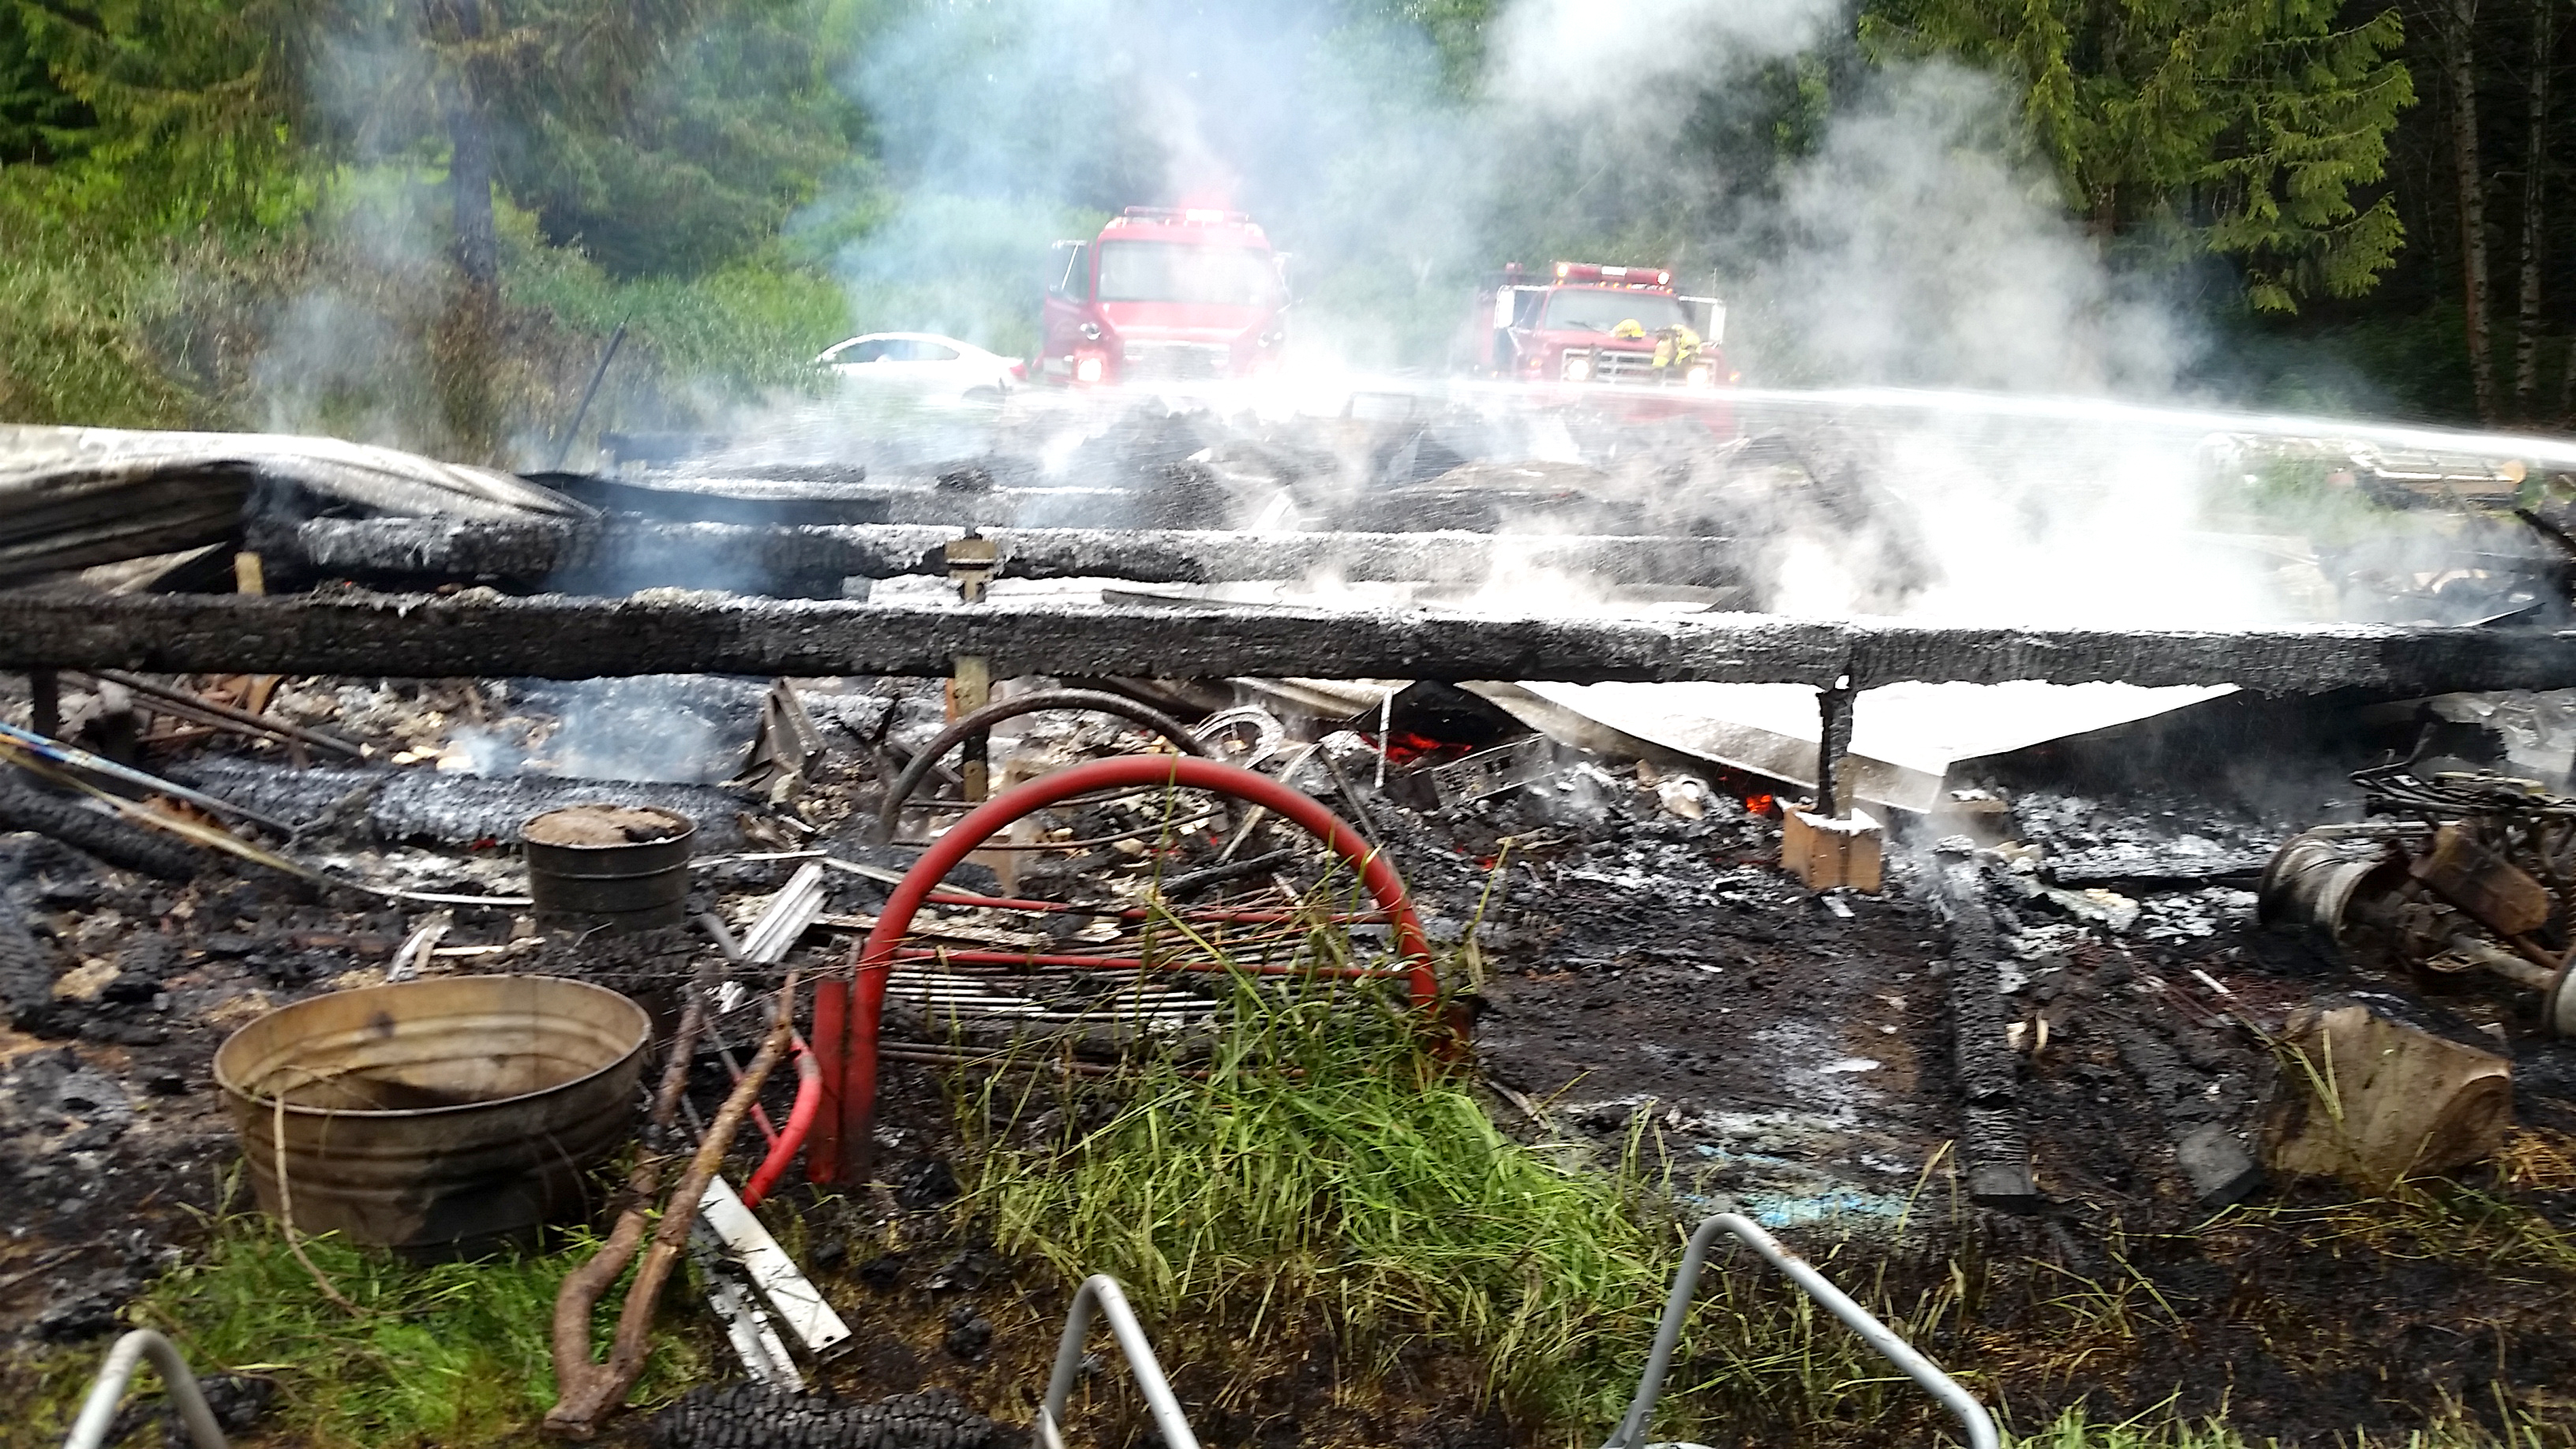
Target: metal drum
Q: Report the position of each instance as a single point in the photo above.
(442, 1117)
(2311, 880)
(613, 867)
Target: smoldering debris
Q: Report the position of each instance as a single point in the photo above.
(400, 806)
(2073, 1003)
(74, 497)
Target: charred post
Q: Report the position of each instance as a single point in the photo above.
(1993, 1151)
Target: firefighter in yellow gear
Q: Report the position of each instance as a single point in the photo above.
(1676, 348)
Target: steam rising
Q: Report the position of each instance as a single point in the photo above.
(1913, 253)
(1894, 241)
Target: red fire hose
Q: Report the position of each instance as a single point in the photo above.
(841, 1115)
(800, 1122)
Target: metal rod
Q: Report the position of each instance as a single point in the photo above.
(715, 926)
(263, 723)
(73, 757)
(572, 430)
(98, 1411)
(1102, 1292)
(1631, 1434)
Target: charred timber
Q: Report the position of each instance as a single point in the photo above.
(622, 555)
(1994, 1152)
(553, 636)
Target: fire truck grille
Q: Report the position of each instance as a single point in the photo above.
(1609, 366)
(1178, 361)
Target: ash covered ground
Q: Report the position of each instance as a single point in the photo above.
(1649, 978)
(1644, 978)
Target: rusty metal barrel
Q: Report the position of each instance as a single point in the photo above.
(617, 867)
(442, 1117)
(2311, 881)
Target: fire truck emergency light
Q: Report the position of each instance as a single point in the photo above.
(1622, 276)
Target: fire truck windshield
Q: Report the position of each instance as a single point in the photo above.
(1142, 271)
(1586, 309)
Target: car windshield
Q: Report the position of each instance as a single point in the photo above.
(1603, 310)
(894, 349)
(1133, 271)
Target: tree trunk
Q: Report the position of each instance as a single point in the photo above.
(2459, 66)
(2567, 384)
(469, 136)
(2535, 167)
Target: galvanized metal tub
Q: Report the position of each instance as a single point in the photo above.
(617, 867)
(435, 1116)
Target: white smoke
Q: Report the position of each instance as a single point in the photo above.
(1913, 251)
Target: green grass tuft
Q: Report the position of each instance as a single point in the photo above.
(1320, 1161)
(451, 1354)
(2455, 1428)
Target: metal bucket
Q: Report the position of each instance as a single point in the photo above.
(617, 867)
(438, 1116)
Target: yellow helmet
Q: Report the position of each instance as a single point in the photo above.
(1630, 328)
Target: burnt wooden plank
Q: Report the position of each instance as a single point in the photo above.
(621, 555)
(556, 636)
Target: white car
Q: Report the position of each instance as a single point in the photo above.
(926, 364)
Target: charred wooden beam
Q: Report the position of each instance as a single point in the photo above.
(621, 555)
(1994, 1152)
(554, 636)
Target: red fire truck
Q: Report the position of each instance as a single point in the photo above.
(1193, 295)
(1583, 323)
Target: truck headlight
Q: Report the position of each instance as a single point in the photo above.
(1578, 367)
(1086, 369)
(1699, 376)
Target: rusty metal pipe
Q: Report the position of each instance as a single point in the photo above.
(2504, 963)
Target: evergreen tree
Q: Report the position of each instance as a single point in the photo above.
(39, 123)
(2243, 127)
(668, 136)
(191, 104)
(701, 161)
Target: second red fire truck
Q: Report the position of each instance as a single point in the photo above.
(1584, 323)
(1188, 295)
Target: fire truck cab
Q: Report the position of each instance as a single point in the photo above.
(1583, 323)
(1160, 295)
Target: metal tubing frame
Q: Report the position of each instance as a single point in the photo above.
(1631, 1434)
(1139, 963)
(1102, 1291)
(967, 726)
(98, 1411)
(843, 1137)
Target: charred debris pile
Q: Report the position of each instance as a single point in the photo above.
(2301, 907)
